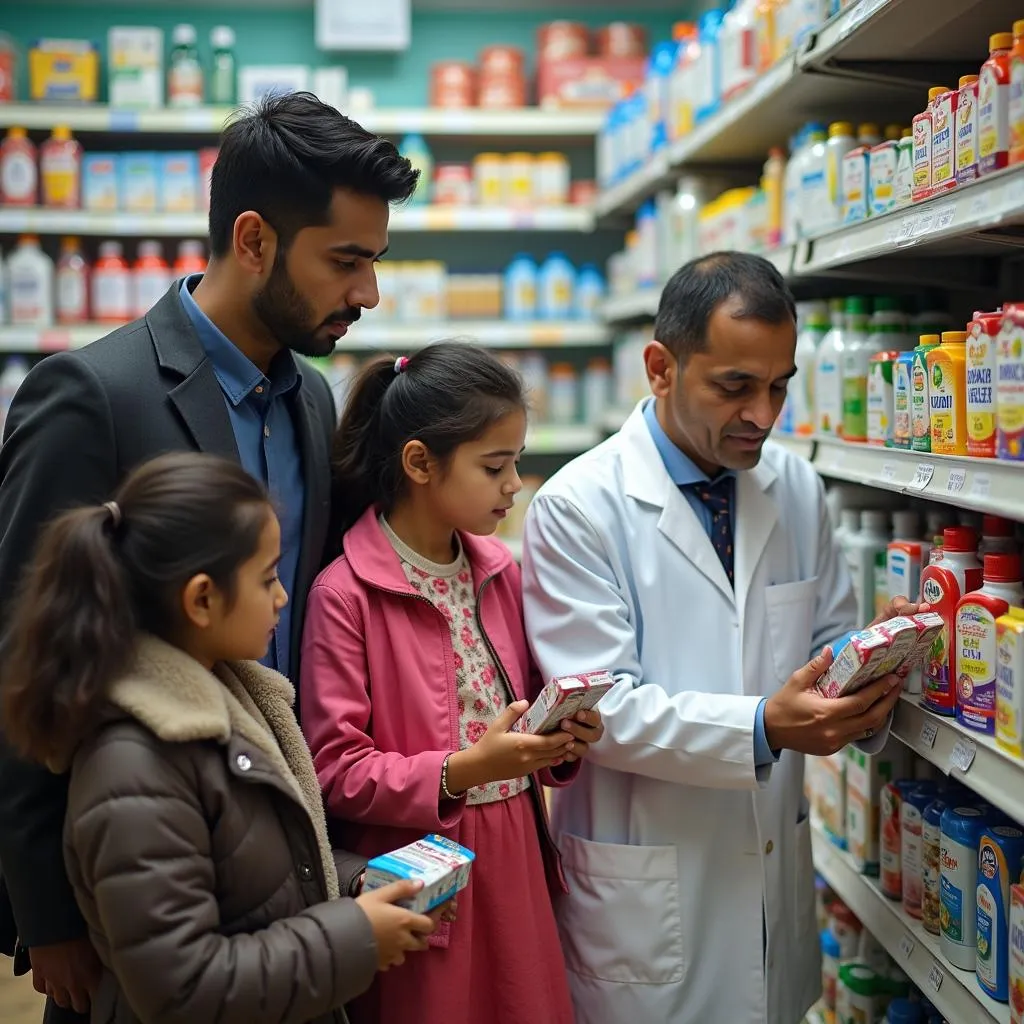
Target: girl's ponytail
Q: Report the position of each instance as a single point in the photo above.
(73, 631)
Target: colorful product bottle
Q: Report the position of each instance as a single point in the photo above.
(19, 179)
(912, 850)
(151, 277)
(191, 259)
(111, 285)
(1000, 852)
(994, 105)
(60, 165)
(1016, 104)
(72, 284)
(947, 394)
(962, 828)
(1010, 682)
(976, 658)
(982, 343)
(943, 583)
(902, 373)
(920, 407)
(1010, 385)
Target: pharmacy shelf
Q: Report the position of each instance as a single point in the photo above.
(966, 221)
(364, 337)
(800, 446)
(953, 992)
(640, 306)
(34, 220)
(560, 439)
(990, 772)
(526, 123)
(985, 485)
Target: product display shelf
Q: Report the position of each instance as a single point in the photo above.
(364, 337)
(801, 446)
(955, 993)
(35, 220)
(638, 307)
(561, 438)
(967, 756)
(962, 222)
(525, 123)
(984, 485)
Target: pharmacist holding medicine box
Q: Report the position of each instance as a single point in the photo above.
(697, 563)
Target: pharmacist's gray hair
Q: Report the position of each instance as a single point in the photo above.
(699, 287)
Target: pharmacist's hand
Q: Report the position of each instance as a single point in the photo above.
(799, 718)
(500, 755)
(900, 606)
(397, 931)
(586, 729)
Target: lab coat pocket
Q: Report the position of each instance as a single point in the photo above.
(789, 608)
(804, 913)
(622, 918)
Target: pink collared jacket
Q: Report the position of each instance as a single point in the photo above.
(378, 692)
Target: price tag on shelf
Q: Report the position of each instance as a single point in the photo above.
(935, 978)
(981, 485)
(925, 224)
(922, 476)
(905, 235)
(962, 755)
(957, 480)
(906, 946)
(888, 472)
(944, 217)
(928, 733)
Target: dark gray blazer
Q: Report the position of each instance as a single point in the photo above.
(79, 423)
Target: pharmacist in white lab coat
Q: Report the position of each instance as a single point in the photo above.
(697, 563)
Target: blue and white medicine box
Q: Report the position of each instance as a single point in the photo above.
(441, 864)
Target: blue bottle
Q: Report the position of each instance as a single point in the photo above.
(710, 97)
(556, 288)
(590, 290)
(520, 289)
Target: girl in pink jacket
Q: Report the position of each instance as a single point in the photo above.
(414, 668)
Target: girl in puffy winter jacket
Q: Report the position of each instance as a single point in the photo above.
(415, 666)
(195, 837)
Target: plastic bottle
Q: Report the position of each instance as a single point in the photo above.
(841, 140)
(982, 344)
(563, 394)
(556, 288)
(943, 583)
(976, 616)
(72, 284)
(30, 275)
(1000, 854)
(60, 165)
(813, 202)
(931, 844)
(709, 66)
(1010, 683)
(920, 406)
(800, 396)
(111, 285)
(828, 375)
(597, 390)
(415, 149)
(884, 332)
(19, 179)
(191, 259)
(657, 86)
(868, 134)
(765, 29)
(998, 537)
(912, 845)
(830, 952)
(1016, 103)
(185, 76)
(590, 291)
(947, 394)
(223, 71)
(903, 183)
(151, 277)
(861, 550)
(791, 184)
(773, 184)
(14, 373)
(520, 288)
(859, 988)
(682, 82)
(962, 828)
(739, 48)
(994, 105)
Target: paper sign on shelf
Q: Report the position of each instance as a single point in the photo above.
(935, 978)
(928, 733)
(922, 476)
(906, 946)
(957, 480)
(888, 472)
(962, 755)
(981, 485)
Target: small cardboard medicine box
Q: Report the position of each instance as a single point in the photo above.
(441, 864)
(562, 698)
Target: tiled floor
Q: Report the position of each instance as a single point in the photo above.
(19, 1002)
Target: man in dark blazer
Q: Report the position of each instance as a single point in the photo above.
(299, 206)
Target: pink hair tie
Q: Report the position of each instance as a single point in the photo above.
(401, 363)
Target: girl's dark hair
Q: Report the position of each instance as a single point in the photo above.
(446, 394)
(102, 574)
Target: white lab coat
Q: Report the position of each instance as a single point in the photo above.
(671, 840)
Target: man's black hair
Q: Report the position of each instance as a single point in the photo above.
(699, 287)
(285, 157)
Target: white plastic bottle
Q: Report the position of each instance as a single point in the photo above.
(799, 410)
(813, 199)
(739, 48)
(791, 189)
(828, 375)
(862, 551)
(849, 526)
(841, 139)
(30, 278)
(15, 371)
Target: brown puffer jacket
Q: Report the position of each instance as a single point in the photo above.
(196, 844)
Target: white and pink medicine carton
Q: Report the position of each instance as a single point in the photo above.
(562, 698)
(896, 645)
(441, 864)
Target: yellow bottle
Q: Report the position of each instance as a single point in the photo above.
(947, 394)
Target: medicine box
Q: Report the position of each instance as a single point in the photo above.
(179, 182)
(101, 182)
(140, 179)
(135, 67)
(63, 71)
(441, 864)
(562, 698)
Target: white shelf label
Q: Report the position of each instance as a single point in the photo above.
(962, 755)
(922, 476)
(888, 472)
(935, 978)
(981, 485)
(957, 480)
(928, 733)
(906, 947)
(925, 224)
(944, 218)
(905, 235)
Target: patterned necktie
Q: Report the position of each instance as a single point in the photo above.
(716, 496)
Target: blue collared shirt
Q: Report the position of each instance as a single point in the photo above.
(259, 407)
(682, 472)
